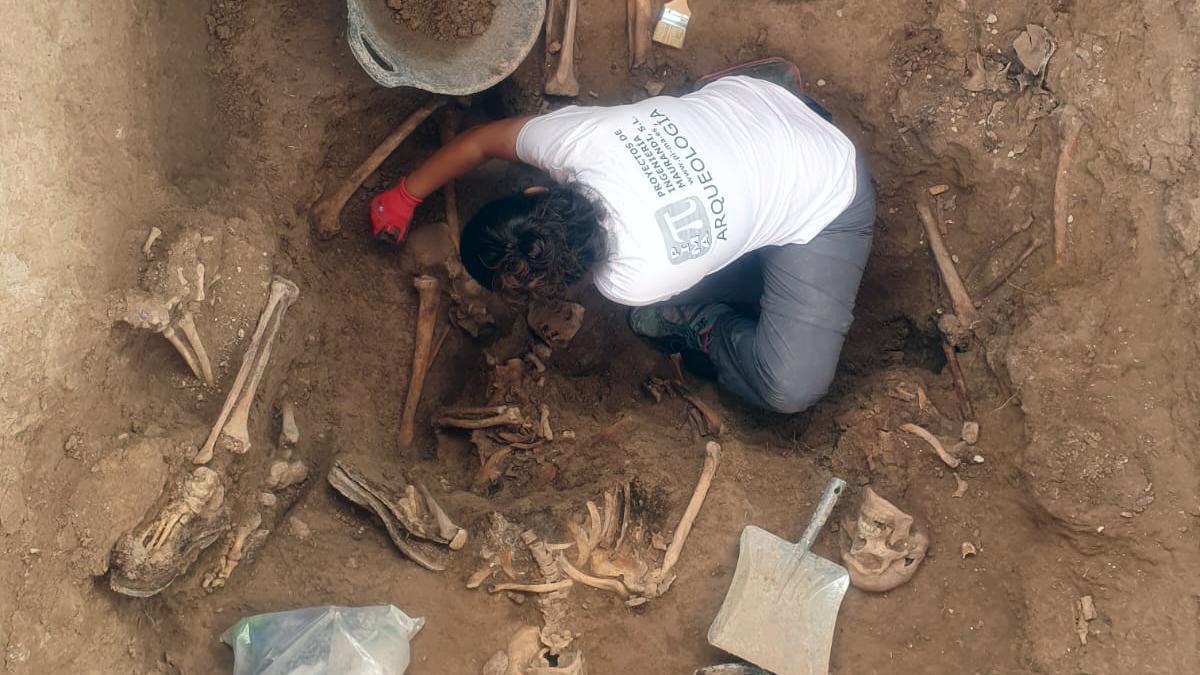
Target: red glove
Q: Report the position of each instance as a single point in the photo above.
(392, 212)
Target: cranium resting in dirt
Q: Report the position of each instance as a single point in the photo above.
(880, 549)
(147, 559)
(555, 321)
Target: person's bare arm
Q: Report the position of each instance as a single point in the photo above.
(494, 140)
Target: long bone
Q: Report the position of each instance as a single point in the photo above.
(562, 81)
(327, 210)
(235, 436)
(427, 292)
(188, 325)
(281, 290)
(151, 313)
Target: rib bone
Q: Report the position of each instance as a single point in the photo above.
(712, 459)
(283, 292)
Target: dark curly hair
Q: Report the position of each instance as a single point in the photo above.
(535, 243)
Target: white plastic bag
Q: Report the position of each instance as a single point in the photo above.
(320, 640)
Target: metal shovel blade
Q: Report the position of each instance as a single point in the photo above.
(783, 602)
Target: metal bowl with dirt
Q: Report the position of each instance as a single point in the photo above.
(395, 54)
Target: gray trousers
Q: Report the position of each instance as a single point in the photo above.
(784, 358)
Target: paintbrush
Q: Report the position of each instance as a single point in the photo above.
(672, 25)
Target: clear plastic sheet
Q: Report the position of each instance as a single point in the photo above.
(319, 640)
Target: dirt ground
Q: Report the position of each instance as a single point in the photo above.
(225, 121)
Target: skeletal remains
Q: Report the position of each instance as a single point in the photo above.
(880, 547)
(195, 514)
(613, 551)
(561, 80)
(410, 514)
(147, 311)
(147, 559)
(232, 425)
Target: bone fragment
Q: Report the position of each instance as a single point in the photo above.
(960, 488)
(562, 81)
(544, 428)
(626, 506)
(327, 210)
(1004, 276)
(964, 307)
(555, 17)
(532, 588)
(283, 474)
(243, 539)
(427, 291)
(179, 345)
(289, 431)
(583, 545)
(608, 527)
(188, 325)
(960, 382)
(968, 550)
(712, 459)
(1072, 123)
(148, 247)
(611, 585)
(283, 293)
(455, 535)
(950, 460)
(506, 565)
(970, 432)
(595, 524)
(498, 416)
(481, 575)
(639, 14)
(235, 436)
(200, 295)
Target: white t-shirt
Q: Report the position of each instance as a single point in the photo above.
(690, 184)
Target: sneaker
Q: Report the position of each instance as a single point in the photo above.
(677, 328)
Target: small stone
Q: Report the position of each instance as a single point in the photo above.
(1126, 514)
(478, 28)
(299, 529)
(820, 83)
(241, 333)
(654, 87)
(970, 432)
(567, 435)
(992, 18)
(978, 459)
(1100, 529)
(968, 550)
(1070, 219)
(839, 14)
(267, 499)
(936, 190)
(593, 94)
(516, 598)
(224, 32)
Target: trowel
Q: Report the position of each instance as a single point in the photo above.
(783, 602)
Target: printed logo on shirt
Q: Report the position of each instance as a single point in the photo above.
(686, 229)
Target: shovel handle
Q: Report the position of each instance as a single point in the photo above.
(829, 499)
